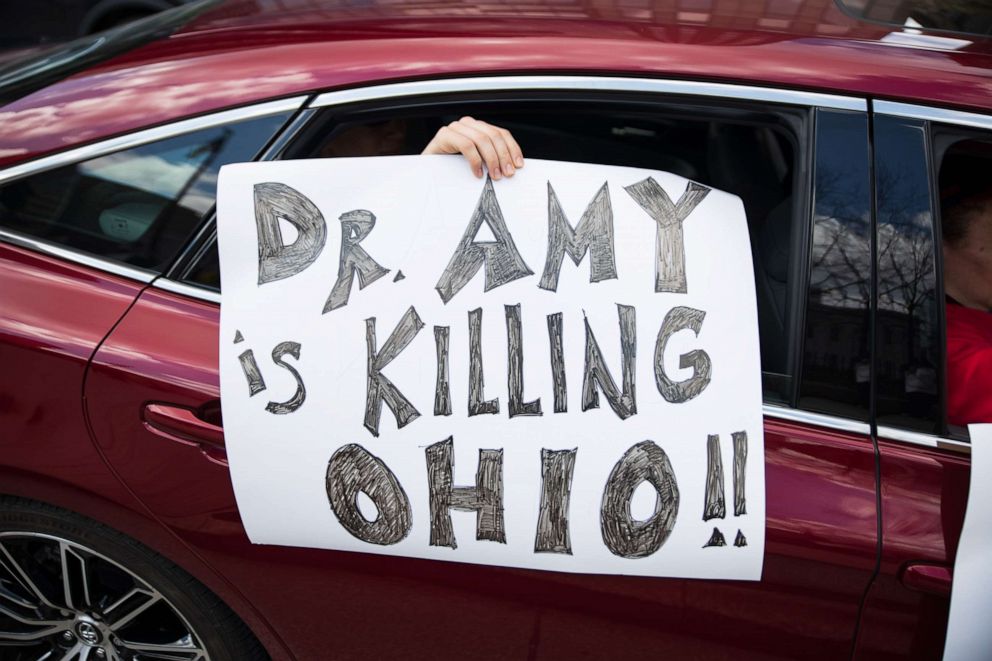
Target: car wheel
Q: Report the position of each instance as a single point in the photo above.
(74, 589)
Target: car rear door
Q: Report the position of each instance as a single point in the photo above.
(924, 462)
(152, 393)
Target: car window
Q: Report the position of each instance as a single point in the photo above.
(908, 346)
(964, 159)
(836, 366)
(749, 151)
(137, 206)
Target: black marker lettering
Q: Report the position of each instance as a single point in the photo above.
(669, 245)
(557, 363)
(442, 389)
(352, 470)
(477, 405)
(557, 467)
(296, 401)
(677, 319)
(275, 259)
(597, 375)
(503, 262)
(355, 226)
(713, 503)
(379, 388)
(622, 534)
(515, 366)
(740, 462)
(485, 498)
(253, 374)
(593, 234)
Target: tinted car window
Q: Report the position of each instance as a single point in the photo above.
(749, 151)
(964, 157)
(137, 206)
(836, 355)
(908, 346)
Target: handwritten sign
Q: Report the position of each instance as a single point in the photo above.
(410, 366)
(968, 632)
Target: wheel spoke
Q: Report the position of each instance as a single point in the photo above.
(135, 611)
(72, 654)
(7, 595)
(17, 572)
(22, 636)
(183, 649)
(75, 575)
(32, 621)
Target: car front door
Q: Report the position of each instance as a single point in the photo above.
(152, 393)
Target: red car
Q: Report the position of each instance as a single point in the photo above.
(119, 533)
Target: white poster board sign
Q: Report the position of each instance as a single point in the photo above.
(968, 633)
(410, 366)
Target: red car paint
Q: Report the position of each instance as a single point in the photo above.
(218, 62)
(81, 439)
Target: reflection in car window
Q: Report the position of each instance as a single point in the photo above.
(967, 17)
(137, 206)
(908, 322)
(749, 153)
(836, 354)
(965, 157)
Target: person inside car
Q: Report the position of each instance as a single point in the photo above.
(967, 232)
(479, 142)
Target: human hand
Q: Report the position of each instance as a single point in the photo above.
(480, 143)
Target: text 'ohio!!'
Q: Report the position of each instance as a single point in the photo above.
(352, 469)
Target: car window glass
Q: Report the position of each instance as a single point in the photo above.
(964, 158)
(908, 324)
(836, 373)
(746, 151)
(137, 206)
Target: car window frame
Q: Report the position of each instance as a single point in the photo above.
(931, 115)
(77, 155)
(480, 88)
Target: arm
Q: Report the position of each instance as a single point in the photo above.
(480, 143)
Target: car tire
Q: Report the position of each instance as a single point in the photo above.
(80, 590)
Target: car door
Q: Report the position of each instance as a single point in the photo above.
(924, 461)
(153, 395)
(81, 234)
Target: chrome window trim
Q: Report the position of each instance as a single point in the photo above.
(818, 419)
(184, 289)
(146, 136)
(70, 255)
(941, 115)
(924, 440)
(589, 83)
(116, 144)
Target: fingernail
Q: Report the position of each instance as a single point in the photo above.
(478, 173)
(508, 170)
(520, 161)
(495, 174)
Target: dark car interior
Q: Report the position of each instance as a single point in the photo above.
(748, 152)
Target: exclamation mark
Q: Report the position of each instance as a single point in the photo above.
(740, 461)
(714, 505)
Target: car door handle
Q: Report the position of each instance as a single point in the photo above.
(924, 577)
(183, 425)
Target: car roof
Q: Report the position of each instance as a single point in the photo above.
(244, 51)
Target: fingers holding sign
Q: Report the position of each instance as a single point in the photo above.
(480, 143)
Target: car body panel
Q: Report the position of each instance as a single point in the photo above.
(924, 494)
(219, 62)
(820, 549)
(81, 439)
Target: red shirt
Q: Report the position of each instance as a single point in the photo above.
(969, 365)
